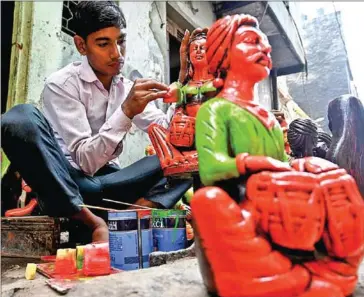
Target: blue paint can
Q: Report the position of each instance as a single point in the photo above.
(169, 230)
(130, 239)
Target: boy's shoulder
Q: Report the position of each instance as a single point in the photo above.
(70, 71)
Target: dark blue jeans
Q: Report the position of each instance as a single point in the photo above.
(29, 143)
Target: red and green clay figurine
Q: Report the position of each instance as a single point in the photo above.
(175, 147)
(259, 221)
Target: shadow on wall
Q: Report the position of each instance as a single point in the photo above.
(131, 72)
(134, 74)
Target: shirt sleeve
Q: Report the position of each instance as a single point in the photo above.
(67, 115)
(152, 114)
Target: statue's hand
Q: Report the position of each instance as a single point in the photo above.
(313, 165)
(183, 56)
(250, 164)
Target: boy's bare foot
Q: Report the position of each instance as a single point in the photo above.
(101, 233)
(98, 226)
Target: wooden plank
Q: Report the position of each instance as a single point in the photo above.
(11, 255)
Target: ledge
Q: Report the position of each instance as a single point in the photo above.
(179, 279)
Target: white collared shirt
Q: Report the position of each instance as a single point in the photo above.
(87, 120)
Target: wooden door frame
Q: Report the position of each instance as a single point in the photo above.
(19, 61)
(20, 53)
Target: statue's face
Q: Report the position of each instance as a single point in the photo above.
(250, 53)
(198, 53)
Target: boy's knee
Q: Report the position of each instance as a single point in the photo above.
(20, 119)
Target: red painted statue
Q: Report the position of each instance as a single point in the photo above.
(265, 227)
(284, 125)
(176, 147)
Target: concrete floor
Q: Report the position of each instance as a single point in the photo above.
(181, 278)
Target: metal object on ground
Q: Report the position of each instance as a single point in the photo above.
(169, 230)
(130, 237)
(60, 285)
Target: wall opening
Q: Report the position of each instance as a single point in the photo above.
(7, 17)
(175, 36)
(176, 26)
(69, 8)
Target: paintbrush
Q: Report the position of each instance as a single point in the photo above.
(129, 204)
(103, 208)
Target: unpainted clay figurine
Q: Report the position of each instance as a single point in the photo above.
(346, 122)
(302, 137)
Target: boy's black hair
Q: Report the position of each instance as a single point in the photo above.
(91, 16)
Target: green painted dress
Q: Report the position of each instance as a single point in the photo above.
(224, 130)
(192, 94)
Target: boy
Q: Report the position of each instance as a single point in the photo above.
(69, 154)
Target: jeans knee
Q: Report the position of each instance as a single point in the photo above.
(21, 119)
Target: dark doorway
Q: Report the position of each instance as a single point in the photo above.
(174, 62)
(7, 18)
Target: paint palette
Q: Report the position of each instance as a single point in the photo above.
(48, 270)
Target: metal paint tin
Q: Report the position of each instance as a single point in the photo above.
(169, 230)
(130, 238)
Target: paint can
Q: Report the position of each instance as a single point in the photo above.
(169, 230)
(130, 239)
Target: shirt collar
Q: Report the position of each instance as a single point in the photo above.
(87, 73)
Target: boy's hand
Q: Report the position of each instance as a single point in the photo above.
(143, 91)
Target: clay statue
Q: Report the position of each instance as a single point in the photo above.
(346, 122)
(323, 144)
(284, 125)
(302, 137)
(305, 139)
(176, 147)
(266, 245)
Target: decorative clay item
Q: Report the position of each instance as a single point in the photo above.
(284, 125)
(302, 137)
(323, 144)
(175, 146)
(267, 243)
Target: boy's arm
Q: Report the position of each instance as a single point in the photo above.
(67, 115)
(153, 115)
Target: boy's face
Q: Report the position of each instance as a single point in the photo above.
(105, 50)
